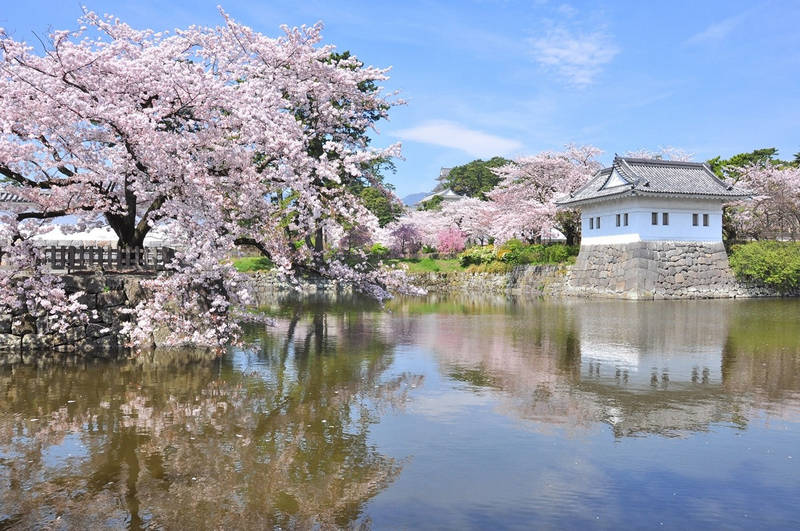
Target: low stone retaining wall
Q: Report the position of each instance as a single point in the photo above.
(106, 294)
(270, 288)
(636, 271)
(522, 280)
(647, 270)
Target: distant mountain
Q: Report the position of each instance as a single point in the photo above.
(413, 199)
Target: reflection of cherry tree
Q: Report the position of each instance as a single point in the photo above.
(205, 444)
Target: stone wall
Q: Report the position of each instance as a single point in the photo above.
(659, 270)
(106, 294)
(270, 288)
(522, 280)
(645, 270)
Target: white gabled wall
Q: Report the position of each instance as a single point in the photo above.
(640, 227)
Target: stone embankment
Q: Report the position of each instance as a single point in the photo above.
(662, 270)
(659, 270)
(269, 288)
(639, 271)
(107, 295)
(550, 280)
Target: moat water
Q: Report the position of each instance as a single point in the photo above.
(451, 413)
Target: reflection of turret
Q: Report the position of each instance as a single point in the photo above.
(671, 341)
(640, 367)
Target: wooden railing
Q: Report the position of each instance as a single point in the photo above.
(72, 258)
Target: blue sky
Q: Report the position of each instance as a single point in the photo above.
(492, 77)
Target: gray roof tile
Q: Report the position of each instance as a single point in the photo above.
(10, 197)
(653, 176)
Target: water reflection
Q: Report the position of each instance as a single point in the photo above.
(666, 367)
(272, 436)
(346, 414)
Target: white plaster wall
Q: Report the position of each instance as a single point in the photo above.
(640, 228)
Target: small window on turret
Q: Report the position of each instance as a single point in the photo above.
(618, 220)
(591, 223)
(625, 219)
(665, 218)
(694, 220)
(705, 220)
(598, 222)
(654, 218)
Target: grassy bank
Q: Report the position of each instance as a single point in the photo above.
(249, 264)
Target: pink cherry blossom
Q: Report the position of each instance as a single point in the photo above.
(221, 135)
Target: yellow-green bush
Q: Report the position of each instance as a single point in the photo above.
(776, 264)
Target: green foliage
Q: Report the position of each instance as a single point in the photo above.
(475, 178)
(491, 267)
(429, 265)
(377, 202)
(248, 264)
(427, 249)
(480, 254)
(776, 264)
(434, 203)
(728, 168)
(379, 251)
(515, 252)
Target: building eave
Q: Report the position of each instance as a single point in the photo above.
(569, 204)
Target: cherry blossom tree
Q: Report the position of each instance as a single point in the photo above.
(405, 239)
(664, 153)
(450, 241)
(774, 211)
(473, 217)
(525, 197)
(222, 135)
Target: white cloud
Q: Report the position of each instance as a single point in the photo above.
(718, 30)
(453, 135)
(578, 58)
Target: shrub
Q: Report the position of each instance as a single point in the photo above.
(480, 254)
(379, 251)
(491, 267)
(515, 252)
(776, 264)
(555, 254)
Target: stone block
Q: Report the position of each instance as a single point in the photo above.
(65, 348)
(10, 342)
(109, 299)
(87, 283)
(24, 324)
(5, 323)
(95, 330)
(33, 342)
(89, 299)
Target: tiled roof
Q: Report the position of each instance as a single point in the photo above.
(445, 193)
(10, 197)
(631, 176)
